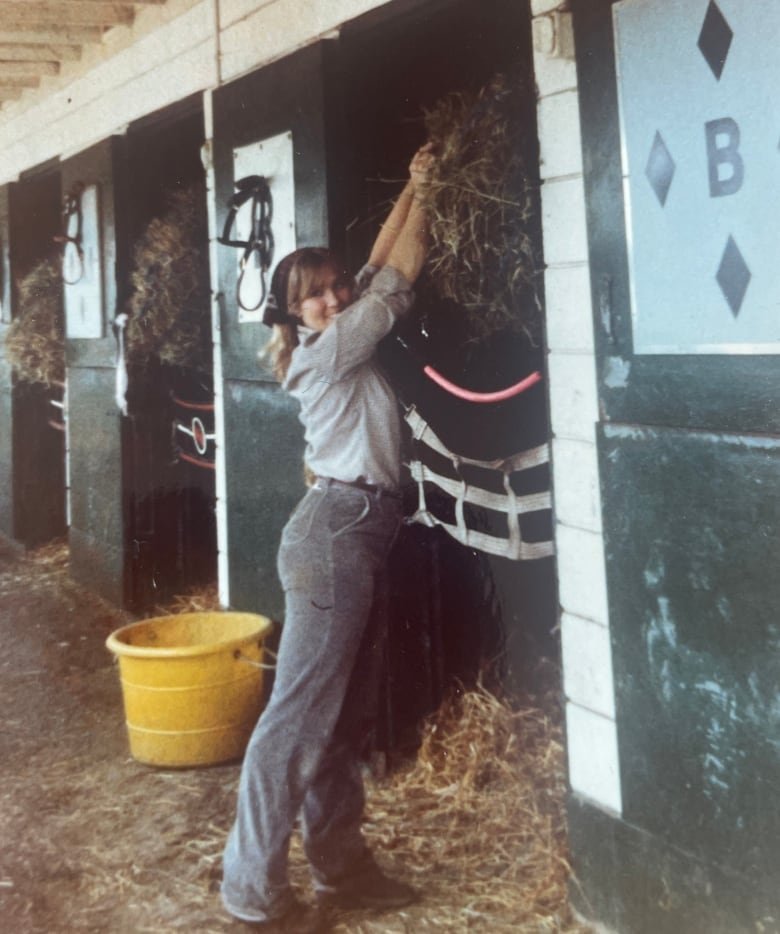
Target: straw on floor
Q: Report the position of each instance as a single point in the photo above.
(476, 821)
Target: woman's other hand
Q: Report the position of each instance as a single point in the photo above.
(420, 166)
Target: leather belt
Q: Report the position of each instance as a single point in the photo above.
(359, 484)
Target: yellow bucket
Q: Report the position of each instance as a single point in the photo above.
(192, 685)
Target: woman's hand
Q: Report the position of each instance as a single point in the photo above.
(396, 225)
(420, 166)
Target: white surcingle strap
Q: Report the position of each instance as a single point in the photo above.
(120, 323)
(512, 504)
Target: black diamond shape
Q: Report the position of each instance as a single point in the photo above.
(660, 168)
(715, 39)
(733, 276)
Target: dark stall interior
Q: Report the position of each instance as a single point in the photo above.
(38, 436)
(168, 444)
(455, 612)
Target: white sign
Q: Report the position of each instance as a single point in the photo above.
(700, 124)
(272, 159)
(82, 270)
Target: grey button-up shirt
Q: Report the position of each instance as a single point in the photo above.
(348, 409)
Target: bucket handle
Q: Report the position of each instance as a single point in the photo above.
(240, 657)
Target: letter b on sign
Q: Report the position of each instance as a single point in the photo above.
(726, 168)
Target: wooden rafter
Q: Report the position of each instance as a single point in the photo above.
(27, 70)
(38, 36)
(20, 81)
(30, 52)
(50, 35)
(32, 13)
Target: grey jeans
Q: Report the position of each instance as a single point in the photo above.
(303, 755)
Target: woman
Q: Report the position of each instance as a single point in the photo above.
(303, 755)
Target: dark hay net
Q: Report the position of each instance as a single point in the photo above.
(168, 312)
(35, 341)
(481, 205)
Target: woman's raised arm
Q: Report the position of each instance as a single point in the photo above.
(388, 232)
(397, 226)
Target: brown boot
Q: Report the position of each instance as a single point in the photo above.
(369, 887)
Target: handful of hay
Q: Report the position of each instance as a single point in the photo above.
(35, 341)
(169, 316)
(480, 203)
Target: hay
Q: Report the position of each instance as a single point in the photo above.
(477, 821)
(169, 318)
(480, 203)
(198, 600)
(54, 555)
(35, 341)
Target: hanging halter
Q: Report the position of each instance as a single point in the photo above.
(71, 238)
(260, 242)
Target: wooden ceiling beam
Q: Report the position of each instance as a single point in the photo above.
(21, 81)
(49, 35)
(10, 94)
(64, 13)
(28, 70)
(29, 52)
(124, 2)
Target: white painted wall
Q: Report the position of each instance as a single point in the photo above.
(587, 659)
(277, 27)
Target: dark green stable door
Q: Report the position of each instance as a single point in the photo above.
(97, 552)
(37, 447)
(270, 123)
(686, 289)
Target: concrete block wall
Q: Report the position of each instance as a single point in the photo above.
(587, 662)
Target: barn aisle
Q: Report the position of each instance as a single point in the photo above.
(94, 841)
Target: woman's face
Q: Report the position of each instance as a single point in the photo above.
(330, 294)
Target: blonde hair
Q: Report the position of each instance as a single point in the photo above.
(279, 349)
(297, 276)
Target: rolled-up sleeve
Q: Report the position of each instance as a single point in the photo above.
(352, 338)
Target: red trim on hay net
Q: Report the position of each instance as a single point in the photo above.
(197, 461)
(193, 406)
(470, 396)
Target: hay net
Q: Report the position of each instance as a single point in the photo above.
(35, 340)
(481, 203)
(168, 313)
(167, 318)
(509, 503)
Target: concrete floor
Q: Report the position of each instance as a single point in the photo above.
(92, 840)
